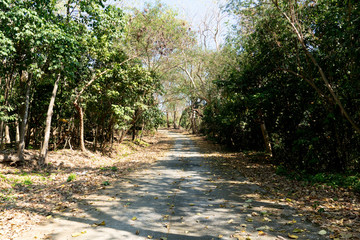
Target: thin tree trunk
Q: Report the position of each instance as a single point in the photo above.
(123, 134)
(175, 126)
(181, 117)
(7, 134)
(17, 135)
(24, 119)
(193, 122)
(265, 133)
(79, 108)
(266, 138)
(45, 145)
(3, 125)
(81, 125)
(95, 138)
(167, 119)
(136, 118)
(2, 134)
(133, 133)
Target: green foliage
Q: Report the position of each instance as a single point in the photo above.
(106, 183)
(357, 187)
(28, 181)
(331, 179)
(276, 83)
(281, 170)
(114, 169)
(71, 177)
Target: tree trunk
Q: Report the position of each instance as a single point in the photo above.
(266, 138)
(133, 133)
(24, 118)
(79, 108)
(123, 134)
(167, 119)
(2, 134)
(81, 125)
(95, 138)
(193, 122)
(181, 117)
(175, 126)
(45, 145)
(17, 135)
(7, 134)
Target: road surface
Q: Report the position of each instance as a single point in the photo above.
(179, 197)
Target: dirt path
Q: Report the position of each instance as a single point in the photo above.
(179, 197)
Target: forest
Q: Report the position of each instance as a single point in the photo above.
(85, 74)
(92, 91)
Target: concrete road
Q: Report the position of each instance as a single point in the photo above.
(179, 197)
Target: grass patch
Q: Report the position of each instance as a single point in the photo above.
(28, 181)
(351, 181)
(71, 177)
(114, 169)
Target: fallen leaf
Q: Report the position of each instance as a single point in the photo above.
(98, 224)
(292, 236)
(220, 236)
(249, 220)
(291, 222)
(150, 237)
(230, 221)
(78, 234)
(322, 232)
(297, 230)
(137, 232)
(261, 233)
(238, 237)
(134, 218)
(263, 228)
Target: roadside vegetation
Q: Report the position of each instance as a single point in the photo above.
(278, 84)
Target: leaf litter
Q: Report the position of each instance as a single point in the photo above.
(335, 209)
(30, 195)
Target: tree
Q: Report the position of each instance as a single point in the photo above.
(280, 46)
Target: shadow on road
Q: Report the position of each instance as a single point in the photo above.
(182, 196)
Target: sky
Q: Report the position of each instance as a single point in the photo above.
(193, 11)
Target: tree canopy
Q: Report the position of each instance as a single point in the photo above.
(85, 74)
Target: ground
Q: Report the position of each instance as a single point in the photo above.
(188, 193)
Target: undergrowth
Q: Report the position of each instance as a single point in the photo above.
(346, 180)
